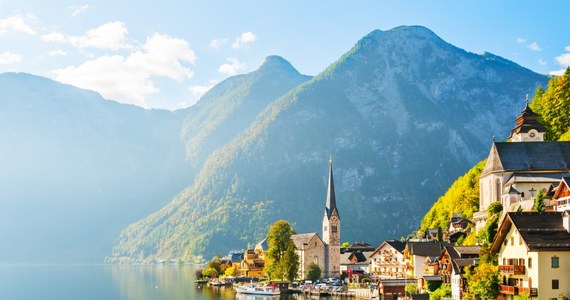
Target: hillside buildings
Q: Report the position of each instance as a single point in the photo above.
(517, 171)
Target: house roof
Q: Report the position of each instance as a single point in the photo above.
(397, 245)
(460, 263)
(303, 238)
(540, 231)
(362, 246)
(528, 156)
(535, 178)
(468, 251)
(565, 183)
(432, 278)
(262, 245)
(426, 248)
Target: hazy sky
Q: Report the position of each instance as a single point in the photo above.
(165, 54)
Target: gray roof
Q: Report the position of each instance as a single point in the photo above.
(542, 231)
(460, 263)
(303, 238)
(468, 251)
(426, 248)
(528, 156)
(535, 178)
(398, 245)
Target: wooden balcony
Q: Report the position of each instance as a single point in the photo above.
(511, 269)
(508, 290)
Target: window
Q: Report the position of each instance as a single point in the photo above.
(530, 262)
(504, 261)
(498, 189)
(554, 262)
(333, 229)
(512, 241)
(554, 284)
(520, 240)
(506, 242)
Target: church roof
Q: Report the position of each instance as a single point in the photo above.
(330, 206)
(535, 178)
(526, 121)
(528, 157)
(303, 238)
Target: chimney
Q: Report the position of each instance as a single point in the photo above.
(566, 220)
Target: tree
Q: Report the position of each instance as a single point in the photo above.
(483, 280)
(231, 271)
(411, 289)
(443, 291)
(313, 272)
(553, 106)
(281, 260)
(345, 245)
(210, 272)
(539, 202)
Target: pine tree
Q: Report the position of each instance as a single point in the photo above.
(539, 202)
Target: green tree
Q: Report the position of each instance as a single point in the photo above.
(411, 289)
(313, 272)
(210, 272)
(483, 280)
(281, 260)
(345, 245)
(231, 271)
(553, 106)
(443, 291)
(539, 202)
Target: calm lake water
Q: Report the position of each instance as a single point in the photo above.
(110, 282)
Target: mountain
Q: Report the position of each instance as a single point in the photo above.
(403, 113)
(77, 168)
(231, 106)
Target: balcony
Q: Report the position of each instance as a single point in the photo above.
(508, 290)
(511, 269)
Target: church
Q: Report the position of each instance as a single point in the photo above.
(324, 252)
(516, 171)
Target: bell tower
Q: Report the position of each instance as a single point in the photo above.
(528, 128)
(331, 230)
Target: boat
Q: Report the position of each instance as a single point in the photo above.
(252, 289)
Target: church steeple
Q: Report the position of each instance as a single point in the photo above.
(528, 127)
(330, 205)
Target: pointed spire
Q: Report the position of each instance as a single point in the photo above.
(331, 197)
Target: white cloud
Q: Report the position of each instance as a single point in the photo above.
(534, 47)
(53, 37)
(521, 40)
(542, 62)
(564, 61)
(57, 52)
(217, 43)
(232, 68)
(107, 36)
(16, 23)
(76, 10)
(7, 57)
(243, 39)
(199, 90)
(128, 79)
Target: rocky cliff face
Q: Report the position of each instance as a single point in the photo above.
(403, 113)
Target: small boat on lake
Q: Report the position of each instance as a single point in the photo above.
(252, 289)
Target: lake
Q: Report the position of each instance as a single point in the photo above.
(110, 282)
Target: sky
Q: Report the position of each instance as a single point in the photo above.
(167, 54)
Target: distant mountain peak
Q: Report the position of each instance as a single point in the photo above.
(277, 63)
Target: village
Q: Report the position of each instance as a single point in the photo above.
(528, 250)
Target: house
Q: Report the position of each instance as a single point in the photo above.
(355, 264)
(561, 199)
(415, 257)
(253, 263)
(452, 262)
(534, 254)
(515, 172)
(387, 261)
(310, 249)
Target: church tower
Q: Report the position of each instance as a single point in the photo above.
(331, 230)
(528, 128)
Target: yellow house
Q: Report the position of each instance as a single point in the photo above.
(534, 254)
